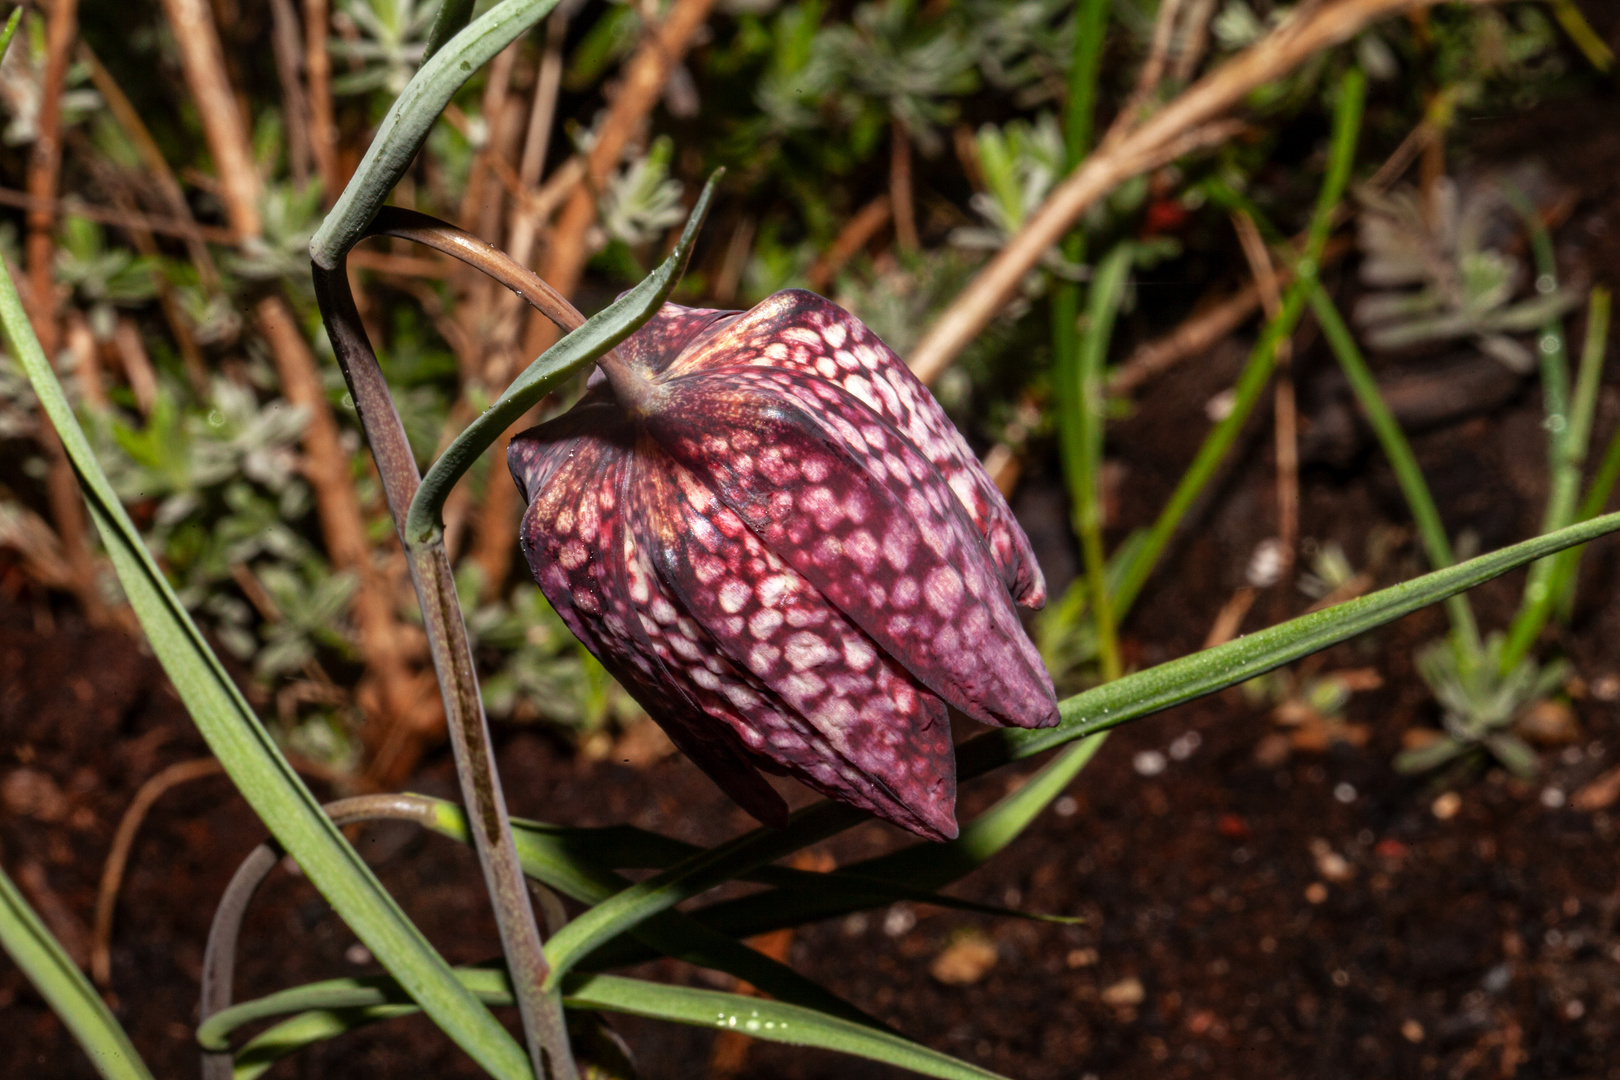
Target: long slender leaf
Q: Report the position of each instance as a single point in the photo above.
(247, 751)
(341, 1001)
(411, 117)
(669, 933)
(921, 866)
(59, 981)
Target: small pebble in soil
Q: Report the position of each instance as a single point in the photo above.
(1412, 1031)
(1125, 994)
(1606, 687)
(1266, 564)
(1446, 806)
(899, 920)
(1066, 806)
(855, 925)
(1149, 763)
(1497, 979)
(1316, 892)
(964, 961)
(357, 954)
(1552, 798)
(1079, 958)
(1345, 793)
(1341, 978)
(1185, 745)
(1329, 863)
(1574, 1010)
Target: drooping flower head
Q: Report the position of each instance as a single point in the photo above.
(767, 530)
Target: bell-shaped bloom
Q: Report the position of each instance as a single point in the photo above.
(770, 534)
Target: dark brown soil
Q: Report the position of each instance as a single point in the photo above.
(1220, 938)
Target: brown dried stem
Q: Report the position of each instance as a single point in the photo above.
(318, 68)
(285, 39)
(112, 872)
(857, 232)
(640, 88)
(1286, 427)
(1135, 150)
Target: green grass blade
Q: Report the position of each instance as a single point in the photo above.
(1107, 294)
(1399, 452)
(355, 1001)
(921, 866)
(1543, 595)
(1237, 661)
(1257, 370)
(59, 981)
(669, 933)
(577, 349)
(411, 117)
(291, 1036)
(247, 751)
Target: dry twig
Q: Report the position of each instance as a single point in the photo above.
(857, 232)
(112, 872)
(1131, 152)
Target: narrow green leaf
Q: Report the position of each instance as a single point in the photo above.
(354, 1001)
(1202, 673)
(668, 933)
(59, 981)
(921, 866)
(577, 349)
(411, 117)
(246, 750)
(1257, 370)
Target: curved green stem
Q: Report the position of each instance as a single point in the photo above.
(590, 341)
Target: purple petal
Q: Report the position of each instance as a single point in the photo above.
(795, 330)
(574, 525)
(870, 735)
(833, 490)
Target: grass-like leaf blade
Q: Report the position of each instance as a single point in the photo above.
(360, 1000)
(33, 948)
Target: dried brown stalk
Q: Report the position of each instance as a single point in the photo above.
(44, 172)
(900, 187)
(1131, 152)
(112, 872)
(203, 62)
(158, 171)
(81, 342)
(640, 88)
(857, 232)
(286, 40)
(318, 69)
(1194, 41)
(137, 365)
(104, 215)
(1286, 426)
(390, 684)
